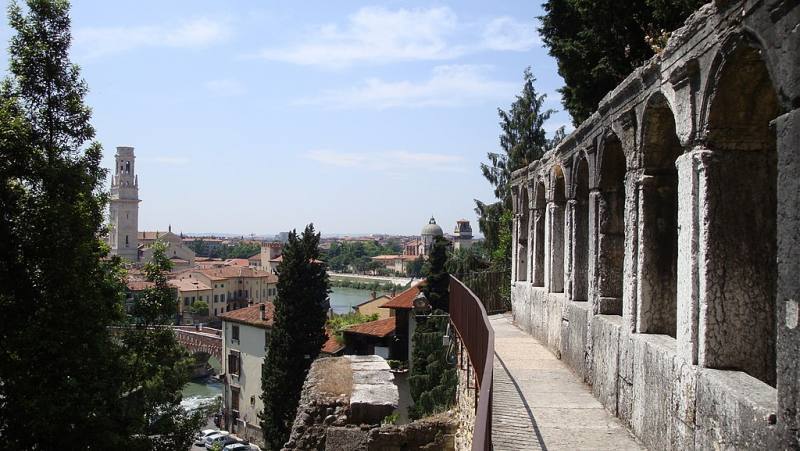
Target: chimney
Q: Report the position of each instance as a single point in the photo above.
(263, 309)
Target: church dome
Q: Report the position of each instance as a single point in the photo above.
(431, 229)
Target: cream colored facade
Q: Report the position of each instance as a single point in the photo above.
(234, 287)
(374, 306)
(241, 366)
(189, 292)
(177, 251)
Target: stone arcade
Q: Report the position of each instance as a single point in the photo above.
(656, 249)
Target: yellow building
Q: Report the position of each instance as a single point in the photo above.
(374, 306)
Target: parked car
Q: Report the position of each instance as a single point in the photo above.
(200, 440)
(223, 440)
(211, 439)
(241, 446)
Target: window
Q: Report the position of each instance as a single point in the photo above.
(186, 300)
(126, 240)
(215, 312)
(235, 400)
(216, 298)
(128, 167)
(245, 293)
(252, 401)
(233, 363)
(222, 297)
(192, 299)
(235, 333)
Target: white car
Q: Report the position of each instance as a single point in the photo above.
(238, 447)
(211, 439)
(200, 440)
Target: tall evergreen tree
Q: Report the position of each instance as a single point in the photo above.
(433, 379)
(298, 333)
(597, 43)
(58, 380)
(523, 140)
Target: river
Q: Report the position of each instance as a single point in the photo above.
(343, 299)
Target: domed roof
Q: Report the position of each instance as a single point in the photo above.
(431, 229)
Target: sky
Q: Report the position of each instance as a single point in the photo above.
(254, 117)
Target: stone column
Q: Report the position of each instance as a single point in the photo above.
(594, 257)
(538, 246)
(569, 245)
(730, 211)
(631, 258)
(554, 236)
(788, 370)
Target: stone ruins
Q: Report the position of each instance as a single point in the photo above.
(657, 248)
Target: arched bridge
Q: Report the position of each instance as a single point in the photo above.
(197, 340)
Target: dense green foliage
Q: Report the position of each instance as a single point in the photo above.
(297, 335)
(338, 323)
(157, 368)
(414, 267)
(471, 259)
(522, 142)
(199, 308)
(437, 286)
(238, 250)
(67, 381)
(347, 256)
(597, 43)
(433, 379)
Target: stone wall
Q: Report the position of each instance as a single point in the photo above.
(464, 411)
(656, 249)
(344, 402)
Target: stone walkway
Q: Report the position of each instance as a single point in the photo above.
(539, 404)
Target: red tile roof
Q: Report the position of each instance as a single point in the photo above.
(238, 271)
(139, 285)
(379, 328)
(331, 346)
(237, 262)
(405, 300)
(251, 315)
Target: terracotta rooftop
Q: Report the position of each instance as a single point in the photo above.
(405, 300)
(237, 262)
(379, 328)
(331, 346)
(385, 298)
(255, 257)
(188, 284)
(237, 271)
(139, 285)
(251, 315)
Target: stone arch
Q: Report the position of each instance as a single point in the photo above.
(538, 226)
(580, 229)
(609, 225)
(737, 315)
(657, 288)
(522, 235)
(555, 222)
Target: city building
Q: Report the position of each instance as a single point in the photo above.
(270, 256)
(429, 234)
(396, 263)
(373, 306)
(245, 339)
(374, 337)
(124, 206)
(402, 307)
(233, 287)
(190, 291)
(177, 250)
(462, 235)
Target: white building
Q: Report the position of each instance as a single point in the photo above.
(245, 337)
(124, 206)
(429, 234)
(462, 235)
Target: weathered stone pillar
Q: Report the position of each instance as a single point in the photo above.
(569, 245)
(514, 237)
(787, 129)
(538, 246)
(593, 251)
(631, 257)
(554, 237)
(727, 286)
(610, 248)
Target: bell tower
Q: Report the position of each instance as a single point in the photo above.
(124, 206)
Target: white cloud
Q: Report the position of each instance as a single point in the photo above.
(379, 35)
(98, 42)
(506, 34)
(452, 85)
(388, 160)
(225, 87)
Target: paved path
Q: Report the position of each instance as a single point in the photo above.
(539, 404)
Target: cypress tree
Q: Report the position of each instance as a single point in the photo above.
(58, 380)
(298, 333)
(433, 379)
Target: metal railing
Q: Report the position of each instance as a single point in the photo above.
(468, 315)
(492, 288)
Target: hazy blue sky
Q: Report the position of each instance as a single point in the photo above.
(256, 117)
